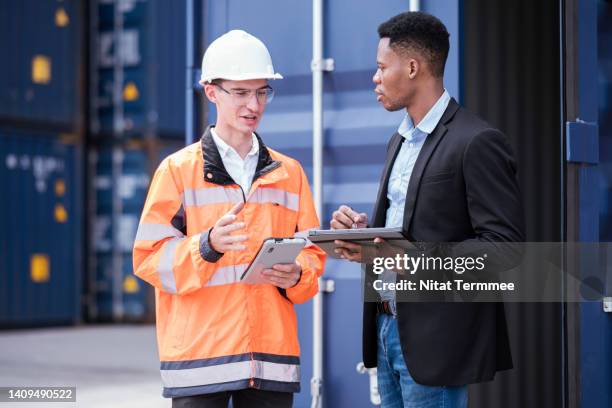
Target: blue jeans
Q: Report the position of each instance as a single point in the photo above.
(395, 385)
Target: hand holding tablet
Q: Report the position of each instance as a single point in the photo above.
(377, 242)
(275, 251)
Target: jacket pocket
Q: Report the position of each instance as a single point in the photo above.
(437, 178)
(180, 316)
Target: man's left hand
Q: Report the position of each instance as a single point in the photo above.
(348, 250)
(366, 253)
(283, 275)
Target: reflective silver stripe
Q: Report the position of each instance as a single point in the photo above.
(156, 232)
(227, 274)
(166, 261)
(219, 195)
(277, 371)
(213, 195)
(206, 375)
(276, 196)
(221, 373)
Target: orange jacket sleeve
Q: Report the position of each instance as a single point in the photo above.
(164, 255)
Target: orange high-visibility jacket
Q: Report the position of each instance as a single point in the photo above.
(215, 333)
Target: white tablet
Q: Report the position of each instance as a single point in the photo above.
(273, 251)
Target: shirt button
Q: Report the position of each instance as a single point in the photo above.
(411, 144)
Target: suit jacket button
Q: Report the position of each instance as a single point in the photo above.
(209, 175)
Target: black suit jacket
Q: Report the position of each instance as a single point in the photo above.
(463, 188)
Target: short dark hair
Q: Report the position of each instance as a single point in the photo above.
(420, 32)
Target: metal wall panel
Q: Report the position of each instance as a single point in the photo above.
(605, 116)
(40, 247)
(595, 324)
(41, 74)
(151, 69)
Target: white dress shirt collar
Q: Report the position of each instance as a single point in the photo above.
(225, 149)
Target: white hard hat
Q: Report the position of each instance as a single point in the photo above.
(237, 56)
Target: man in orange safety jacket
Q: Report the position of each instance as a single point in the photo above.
(209, 207)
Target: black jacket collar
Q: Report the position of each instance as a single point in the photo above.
(380, 207)
(214, 170)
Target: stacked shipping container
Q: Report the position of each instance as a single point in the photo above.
(137, 104)
(92, 99)
(40, 158)
(40, 249)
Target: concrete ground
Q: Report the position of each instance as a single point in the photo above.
(111, 366)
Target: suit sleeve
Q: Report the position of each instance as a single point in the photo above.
(493, 200)
(492, 190)
(163, 254)
(312, 258)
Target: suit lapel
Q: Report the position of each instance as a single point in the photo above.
(429, 146)
(381, 200)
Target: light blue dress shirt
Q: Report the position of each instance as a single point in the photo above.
(414, 137)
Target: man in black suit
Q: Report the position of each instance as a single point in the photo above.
(451, 178)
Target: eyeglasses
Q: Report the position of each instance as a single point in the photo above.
(243, 96)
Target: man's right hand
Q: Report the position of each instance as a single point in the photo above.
(346, 218)
(220, 238)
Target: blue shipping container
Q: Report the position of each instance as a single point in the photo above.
(40, 249)
(40, 80)
(356, 132)
(120, 183)
(152, 44)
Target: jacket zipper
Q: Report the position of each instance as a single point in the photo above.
(252, 379)
(252, 358)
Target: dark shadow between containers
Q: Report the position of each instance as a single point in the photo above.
(511, 78)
